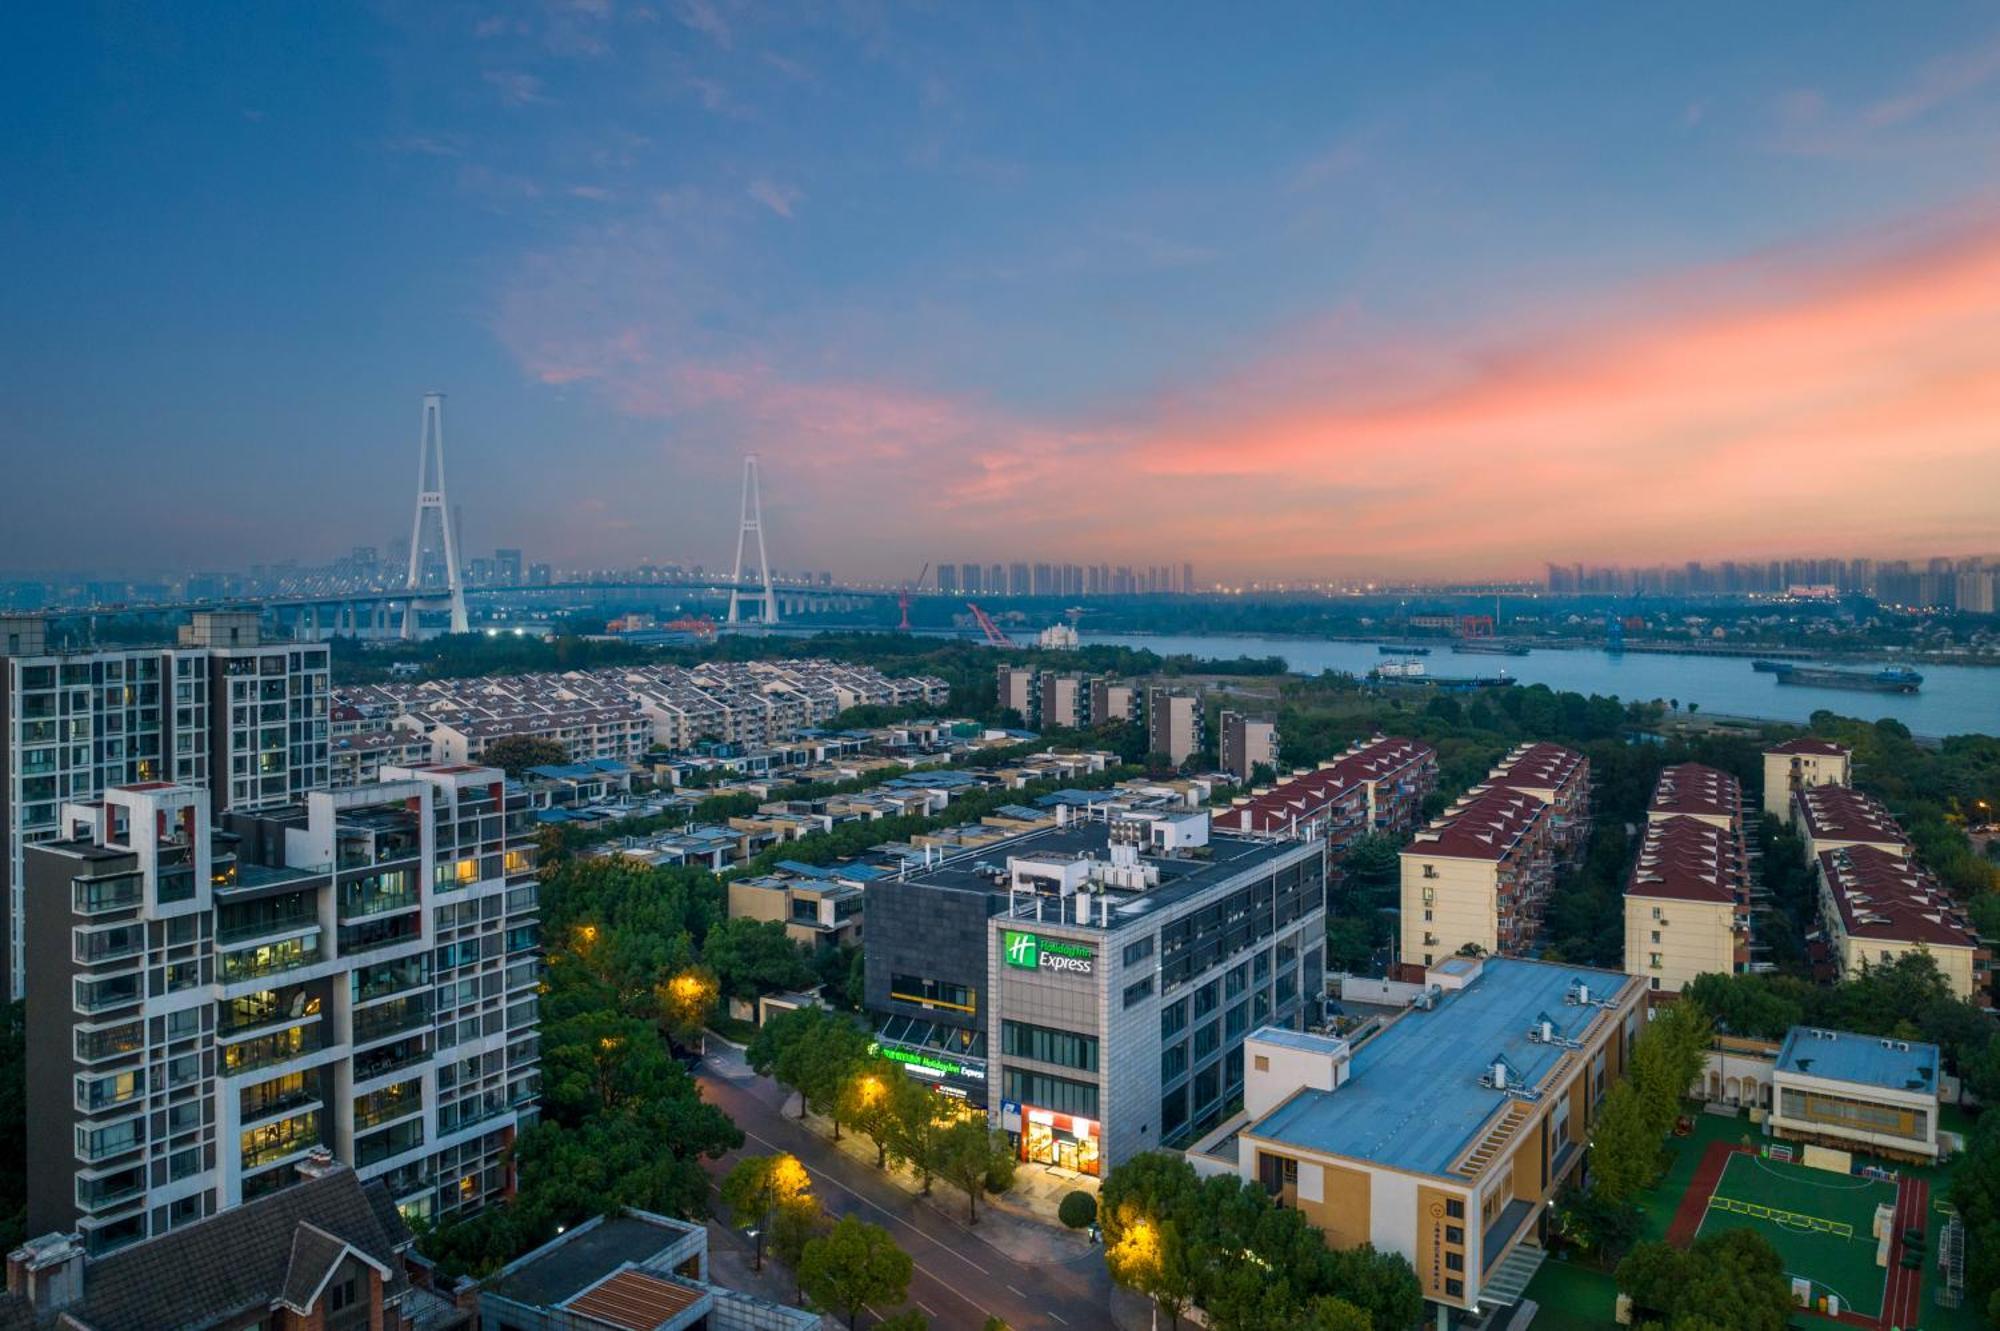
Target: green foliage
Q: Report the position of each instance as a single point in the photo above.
(853, 1265)
(967, 1154)
(814, 1051)
(1975, 1193)
(1249, 1264)
(1077, 1209)
(907, 1320)
(1592, 1222)
(1640, 1110)
(515, 754)
(758, 1188)
(753, 957)
(1733, 1279)
(1625, 1151)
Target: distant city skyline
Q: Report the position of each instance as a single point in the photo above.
(1341, 293)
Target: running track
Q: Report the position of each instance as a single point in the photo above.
(1901, 1296)
(1901, 1304)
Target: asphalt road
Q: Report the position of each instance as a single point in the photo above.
(960, 1279)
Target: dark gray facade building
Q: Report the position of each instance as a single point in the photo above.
(1119, 963)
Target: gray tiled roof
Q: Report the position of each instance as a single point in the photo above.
(244, 1259)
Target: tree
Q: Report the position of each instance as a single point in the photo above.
(758, 1187)
(515, 754)
(1077, 1210)
(915, 1123)
(687, 1003)
(907, 1320)
(853, 1265)
(867, 1101)
(813, 1051)
(1328, 1313)
(1142, 1205)
(1734, 1279)
(755, 957)
(967, 1152)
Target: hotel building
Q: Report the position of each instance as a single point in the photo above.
(1096, 980)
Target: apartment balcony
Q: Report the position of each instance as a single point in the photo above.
(101, 993)
(272, 1049)
(110, 1191)
(391, 1018)
(256, 1104)
(285, 1139)
(387, 1105)
(379, 894)
(410, 1052)
(387, 978)
(120, 1041)
(243, 922)
(380, 932)
(268, 959)
(98, 896)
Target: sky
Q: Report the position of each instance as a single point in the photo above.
(1282, 290)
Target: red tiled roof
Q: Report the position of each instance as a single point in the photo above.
(1693, 788)
(1688, 859)
(1839, 813)
(1487, 825)
(1308, 796)
(1537, 767)
(1809, 744)
(1882, 895)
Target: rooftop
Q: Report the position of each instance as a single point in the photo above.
(1695, 789)
(1809, 744)
(1883, 895)
(572, 1263)
(1866, 1060)
(1838, 813)
(1414, 1099)
(1689, 859)
(1181, 877)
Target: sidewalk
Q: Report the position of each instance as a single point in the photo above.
(1020, 1223)
(731, 1263)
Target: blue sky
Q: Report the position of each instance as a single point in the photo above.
(966, 274)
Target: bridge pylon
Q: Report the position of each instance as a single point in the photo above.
(431, 501)
(752, 522)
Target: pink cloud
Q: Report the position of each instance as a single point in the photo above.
(1798, 401)
(780, 199)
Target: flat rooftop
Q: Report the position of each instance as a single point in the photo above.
(1413, 1098)
(575, 1261)
(1180, 877)
(1866, 1060)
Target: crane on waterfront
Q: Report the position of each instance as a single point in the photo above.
(903, 595)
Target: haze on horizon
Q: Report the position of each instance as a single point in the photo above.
(1291, 291)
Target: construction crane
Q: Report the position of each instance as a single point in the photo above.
(903, 596)
(994, 637)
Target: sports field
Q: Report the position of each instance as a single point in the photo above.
(1820, 1222)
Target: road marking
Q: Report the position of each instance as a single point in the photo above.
(870, 1202)
(1057, 1316)
(1017, 1292)
(928, 1310)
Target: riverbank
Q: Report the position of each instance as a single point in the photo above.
(1954, 699)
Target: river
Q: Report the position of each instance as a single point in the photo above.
(1954, 700)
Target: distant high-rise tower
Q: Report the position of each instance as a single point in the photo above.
(753, 521)
(431, 499)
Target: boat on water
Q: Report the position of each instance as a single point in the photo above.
(1763, 666)
(1391, 649)
(1409, 669)
(1891, 679)
(1488, 647)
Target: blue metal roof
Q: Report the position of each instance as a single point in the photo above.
(1413, 1097)
(1074, 797)
(1867, 1060)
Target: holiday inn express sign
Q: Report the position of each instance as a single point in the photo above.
(1034, 952)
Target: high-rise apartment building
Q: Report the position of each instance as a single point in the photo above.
(947, 578)
(208, 1005)
(1245, 744)
(1173, 722)
(222, 709)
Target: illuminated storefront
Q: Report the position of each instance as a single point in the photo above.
(1063, 1141)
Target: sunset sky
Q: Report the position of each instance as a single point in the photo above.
(1396, 290)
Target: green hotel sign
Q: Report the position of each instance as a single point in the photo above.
(1033, 952)
(916, 1060)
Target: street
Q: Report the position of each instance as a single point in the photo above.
(960, 1278)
